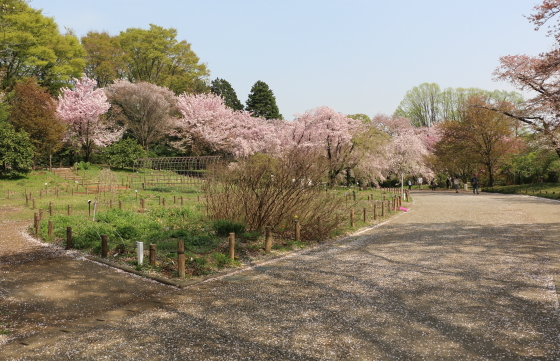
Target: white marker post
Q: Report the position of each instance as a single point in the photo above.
(140, 252)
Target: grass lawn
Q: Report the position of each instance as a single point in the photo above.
(544, 190)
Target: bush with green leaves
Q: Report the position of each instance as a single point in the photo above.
(16, 151)
(224, 227)
(123, 153)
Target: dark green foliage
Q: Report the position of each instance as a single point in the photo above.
(123, 153)
(223, 88)
(223, 227)
(262, 102)
(16, 151)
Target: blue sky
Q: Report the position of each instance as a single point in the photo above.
(355, 56)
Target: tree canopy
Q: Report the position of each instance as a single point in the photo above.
(31, 45)
(155, 56)
(222, 88)
(33, 110)
(262, 102)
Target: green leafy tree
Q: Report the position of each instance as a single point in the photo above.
(16, 151)
(262, 102)
(156, 56)
(123, 153)
(426, 105)
(31, 45)
(104, 59)
(223, 88)
(34, 111)
(363, 117)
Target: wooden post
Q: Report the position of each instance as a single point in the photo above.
(33, 203)
(50, 209)
(103, 246)
(365, 215)
(120, 204)
(181, 259)
(8, 194)
(26, 200)
(383, 209)
(50, 229)
(375, 212)
(152, 255)
(111, 203)
(159, 200)
(57, 193)
(69, 243)
(268, 239)
(174, 199)
(142, 203)
(163, 202)
(354, 195)
(232, 245)
(69, 210)
(36, 223)
(297, 231)
(40, 214)
(352, 218)
(182, 200)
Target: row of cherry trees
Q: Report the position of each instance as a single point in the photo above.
(368, 150)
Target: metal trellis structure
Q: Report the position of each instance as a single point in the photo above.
(172, 172)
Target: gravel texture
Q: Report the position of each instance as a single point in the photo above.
(458, 277)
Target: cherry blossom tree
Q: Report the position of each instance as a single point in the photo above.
(407, 148)
(328, 131)
(81, 109)
(206, 120)
(539, 75)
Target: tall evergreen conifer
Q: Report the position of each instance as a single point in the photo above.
(262, 102)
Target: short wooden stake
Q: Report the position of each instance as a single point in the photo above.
(375, 212)
(103, 246)
(152, 255)
(182, 200)
(50, 232)
(297, 231)
(50, 209)
(383, 209)
(33, 203)
(365, 215)
(69, 243)
(268, 239)
(181, 259)
(142, 203)
(163, 202)
(120, 204)
(352, 218)
(232, 245)
(69, 210)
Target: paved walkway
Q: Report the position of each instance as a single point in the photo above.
(459, 277)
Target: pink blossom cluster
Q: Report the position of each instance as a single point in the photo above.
(206, 117)
(81, 108)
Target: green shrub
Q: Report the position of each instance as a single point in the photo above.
(223, 227)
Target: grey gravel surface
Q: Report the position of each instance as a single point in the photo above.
(458, 277)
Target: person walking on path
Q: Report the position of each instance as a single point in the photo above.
(448, 182)
(420, 180)
(456, 184)
(433, 184)
(409, 184)
(474, 182)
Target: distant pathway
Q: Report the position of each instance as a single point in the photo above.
(459, 277)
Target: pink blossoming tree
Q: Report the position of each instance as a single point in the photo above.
(207, 120)
(81, 109)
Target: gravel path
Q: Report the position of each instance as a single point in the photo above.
(458, 277)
